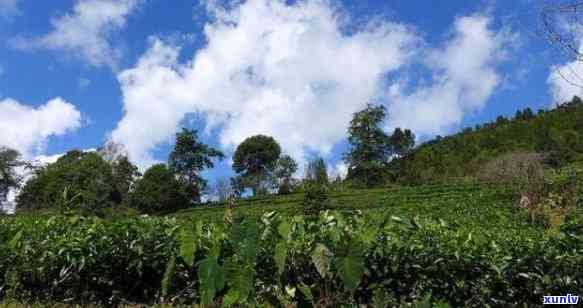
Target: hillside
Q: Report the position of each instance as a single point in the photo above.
(557, 132)
(471, 203)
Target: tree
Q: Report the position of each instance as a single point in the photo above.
(189, 158)
(255, 158)
(86, 176)
(370, 149)
(124, 176)
(316, 172)
(158, 191)
(402, 141)
(9, 178)
(285, 168)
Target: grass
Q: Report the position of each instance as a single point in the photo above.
(476, 205)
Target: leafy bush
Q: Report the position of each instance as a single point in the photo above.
(315, 197)
(158, 191)
(332, 260)
(84, 175)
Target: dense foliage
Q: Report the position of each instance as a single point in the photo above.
(254, 160)
(556, 133)
(370, 148)
(124, 176)
(9, 178)
(158, 191)
(189, 158)
(284, 171)
(82, 180)
(328, 260)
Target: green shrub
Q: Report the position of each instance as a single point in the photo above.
(158, 191)
(331, 259)
(85, 176)
(315, 197)
(334, 260)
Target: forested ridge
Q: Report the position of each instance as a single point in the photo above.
(558, 133)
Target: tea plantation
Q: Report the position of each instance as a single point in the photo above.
(433, 245)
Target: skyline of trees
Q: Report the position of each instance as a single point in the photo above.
(261, 165)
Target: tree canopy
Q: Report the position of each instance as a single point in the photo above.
(158, 191)
(556, 133)
(255, 157)
(86, 176)
(9, 161)
(188, 158)
(284, 171)
(369, 147)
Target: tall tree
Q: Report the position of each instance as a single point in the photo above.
(158, 191)
(86, 176)
(317, 172)
(402, 141)
(9, 178)
(255, 158)
(124, 175)
(284, 171)
(370, 149)
(189, 158)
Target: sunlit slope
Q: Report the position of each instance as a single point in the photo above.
(475, 204)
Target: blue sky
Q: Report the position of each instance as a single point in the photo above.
(76, 73)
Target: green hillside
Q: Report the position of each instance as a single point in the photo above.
(557, 132)
(470, 203)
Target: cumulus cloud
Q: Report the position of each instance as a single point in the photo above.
(464, 76)
(27, 129)
(340, 169)
(294, 72)
(87, 31)
(566, 80)
(268, 68)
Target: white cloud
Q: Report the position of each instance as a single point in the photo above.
(464, 77)
(566, 80)
(27, 129)
(87, 31)
(283, 70)
(291, 72)
(339, 169)
(8, 8)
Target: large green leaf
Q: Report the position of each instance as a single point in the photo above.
(321, 256)
(187, 239)
(14, 242)
(240, 280)
(211, 277)
(280, 255)
(307, 291)
(168, 275)
(350, 269)
(350, 265)
(245, 238)
(284, 229)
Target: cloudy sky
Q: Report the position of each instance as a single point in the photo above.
(76, 73)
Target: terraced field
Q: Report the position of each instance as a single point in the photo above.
(475, 204)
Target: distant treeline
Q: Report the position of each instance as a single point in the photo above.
(556, 133)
